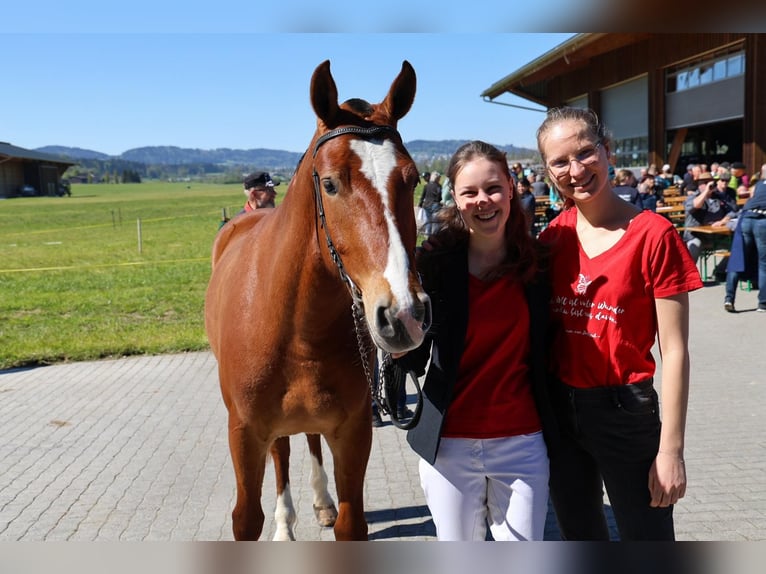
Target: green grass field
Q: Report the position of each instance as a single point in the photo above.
(74, 286)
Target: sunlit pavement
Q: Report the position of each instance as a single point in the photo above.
(135, 449)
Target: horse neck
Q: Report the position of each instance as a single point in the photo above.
(300, 226)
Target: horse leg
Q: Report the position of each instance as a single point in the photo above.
(248, 454)
(351, 451)
(324, 506)
(284, 514)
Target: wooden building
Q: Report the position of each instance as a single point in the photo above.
(666, 98)
(28, 172)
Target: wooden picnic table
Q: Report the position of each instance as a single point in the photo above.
(716, 243)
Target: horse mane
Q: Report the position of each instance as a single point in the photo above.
(359, 106)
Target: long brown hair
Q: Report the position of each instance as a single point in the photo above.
(522, 250)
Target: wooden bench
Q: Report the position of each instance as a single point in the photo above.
(674, 209)
(674, 200)
(542, 203)
(675, 213)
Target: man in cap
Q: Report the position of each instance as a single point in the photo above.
(738, 176)
(259, 190)
(665, 178)
(705, 206)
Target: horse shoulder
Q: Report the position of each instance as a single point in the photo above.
(235, 231)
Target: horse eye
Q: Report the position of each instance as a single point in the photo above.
(329, 187)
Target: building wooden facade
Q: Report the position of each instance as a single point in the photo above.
(28, 172)
(666, 98)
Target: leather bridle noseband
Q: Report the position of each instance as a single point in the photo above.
(387, 381)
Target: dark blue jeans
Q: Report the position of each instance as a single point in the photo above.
(754, 238)
(610, 437)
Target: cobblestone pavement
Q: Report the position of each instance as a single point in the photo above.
(135, 449)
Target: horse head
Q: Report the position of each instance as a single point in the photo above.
(364, 182)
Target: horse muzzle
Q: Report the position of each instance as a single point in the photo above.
(396, 328)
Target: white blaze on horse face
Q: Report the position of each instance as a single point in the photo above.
(378, 161)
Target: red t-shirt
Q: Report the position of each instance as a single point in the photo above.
(492, 397)
(603, 309)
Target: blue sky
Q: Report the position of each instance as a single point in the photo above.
(115, 76)
(113, 92)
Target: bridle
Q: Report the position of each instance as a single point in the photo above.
(368, 132)
(388, 382)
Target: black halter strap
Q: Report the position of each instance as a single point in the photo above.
(390, 378)
(368, 132)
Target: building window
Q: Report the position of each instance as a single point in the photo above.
(631, 152)
(700, 73)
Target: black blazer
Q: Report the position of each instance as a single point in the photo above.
(445, 279)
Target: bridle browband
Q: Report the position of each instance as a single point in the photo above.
(387, 382)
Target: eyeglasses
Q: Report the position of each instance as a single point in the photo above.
(586, 157)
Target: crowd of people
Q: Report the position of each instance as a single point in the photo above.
(725, 196)
(539, 375)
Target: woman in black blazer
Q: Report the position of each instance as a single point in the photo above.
(485, 421)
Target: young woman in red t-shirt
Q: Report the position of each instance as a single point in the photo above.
(484, 458)
(620, 279)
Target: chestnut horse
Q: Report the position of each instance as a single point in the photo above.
(298, 292)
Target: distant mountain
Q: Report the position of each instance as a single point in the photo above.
(73, 152)
(170, 155)
(421, 151)
(427, 150)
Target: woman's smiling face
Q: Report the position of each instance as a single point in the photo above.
(482, 194)
(576, 161)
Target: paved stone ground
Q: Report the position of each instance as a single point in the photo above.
(135, 449)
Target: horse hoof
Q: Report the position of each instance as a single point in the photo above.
(326, 515)
(283, 535)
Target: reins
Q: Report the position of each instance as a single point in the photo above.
(389, 380)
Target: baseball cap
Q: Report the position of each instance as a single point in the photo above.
(258, 179)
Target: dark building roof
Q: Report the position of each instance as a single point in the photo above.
(12, 151)
(530, 82)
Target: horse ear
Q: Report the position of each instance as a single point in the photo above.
(324, 94)
(402, 92)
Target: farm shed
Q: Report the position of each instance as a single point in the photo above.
(667, 98)
(23, 168)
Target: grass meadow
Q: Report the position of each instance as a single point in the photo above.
(74, 285)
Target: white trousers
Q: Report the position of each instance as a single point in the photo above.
(502, 482)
